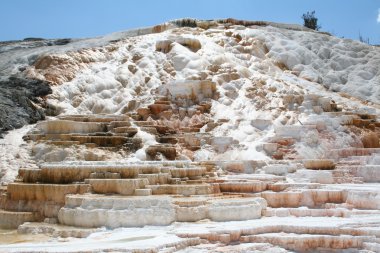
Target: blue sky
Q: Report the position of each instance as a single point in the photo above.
(89, 18)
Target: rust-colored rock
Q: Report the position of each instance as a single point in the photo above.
(158, 108)
(169, 152)
(370, 140)
(319, 164)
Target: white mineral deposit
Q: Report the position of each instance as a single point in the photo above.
(229, 136)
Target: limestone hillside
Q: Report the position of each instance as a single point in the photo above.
(242, 136)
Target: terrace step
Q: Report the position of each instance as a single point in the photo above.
(77, 172)
(11, 220)
(130, 131)
(94, 118)
(44, 192)
(183, 189)
(117, 186)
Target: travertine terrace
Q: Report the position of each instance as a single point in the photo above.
(227, 136)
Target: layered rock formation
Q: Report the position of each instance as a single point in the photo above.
(215, 136)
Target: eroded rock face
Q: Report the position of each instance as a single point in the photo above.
(191, 43)
(58, 69)
(165, 46)
(20, 102)
(189, 90)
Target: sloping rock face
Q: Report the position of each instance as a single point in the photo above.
(211, 136)
(21, 103)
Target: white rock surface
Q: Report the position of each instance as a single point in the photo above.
(279, 94)
(116, 212)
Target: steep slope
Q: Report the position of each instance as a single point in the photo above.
(257, 70)
(252, 136)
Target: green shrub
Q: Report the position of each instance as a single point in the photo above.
(186, 22)
(310, 21)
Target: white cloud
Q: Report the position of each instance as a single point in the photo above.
(378, 16)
